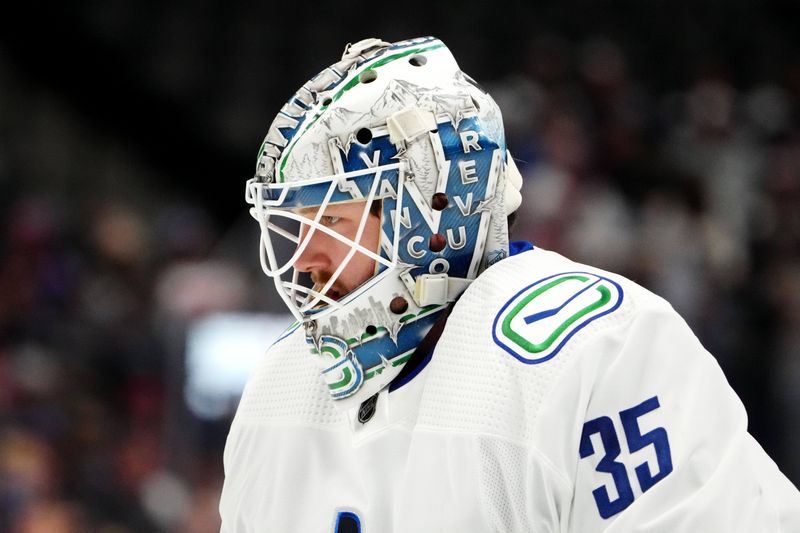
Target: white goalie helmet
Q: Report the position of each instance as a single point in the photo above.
(382, 190)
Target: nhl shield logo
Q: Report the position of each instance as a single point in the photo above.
(536, 323)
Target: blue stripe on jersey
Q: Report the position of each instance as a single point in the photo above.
(396, 384)
(347, 522)
(514, 248)
(517, 247)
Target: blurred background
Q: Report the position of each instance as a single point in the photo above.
(659, 139)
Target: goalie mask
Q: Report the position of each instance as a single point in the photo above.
(382, 190)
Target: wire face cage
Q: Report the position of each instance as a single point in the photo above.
(338, 214)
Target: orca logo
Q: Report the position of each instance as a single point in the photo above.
(540, 319)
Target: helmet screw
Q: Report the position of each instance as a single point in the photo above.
(439, 201)
(418, 60)
(398, 305)
(311, 327)
(437, 242)
(368, 76)
(364, 135)
(371, 330)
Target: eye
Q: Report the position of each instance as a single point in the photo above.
(327, 220)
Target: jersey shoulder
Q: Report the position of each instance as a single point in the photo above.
(514, 333)
(286, 388)
(546, 284)
(543, 303)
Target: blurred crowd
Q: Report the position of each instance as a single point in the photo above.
(94, 433)
(693, 192)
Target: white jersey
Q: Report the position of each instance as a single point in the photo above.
(559, 398)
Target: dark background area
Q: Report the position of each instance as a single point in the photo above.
(657, 139)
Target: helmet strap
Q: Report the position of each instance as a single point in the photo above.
(424, 349)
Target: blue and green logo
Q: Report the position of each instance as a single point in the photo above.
(537, 322)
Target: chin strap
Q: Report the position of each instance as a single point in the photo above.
(424, 348)
(413, 365)
(438, 289)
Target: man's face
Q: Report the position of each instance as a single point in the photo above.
(323, 254)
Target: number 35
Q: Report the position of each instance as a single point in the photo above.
(636, 441)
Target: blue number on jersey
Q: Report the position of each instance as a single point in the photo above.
(347, 522)
(636, 441)
(605, 427)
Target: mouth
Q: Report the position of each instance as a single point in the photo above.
(333, 294)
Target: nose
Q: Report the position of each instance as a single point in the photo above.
(314, 256)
